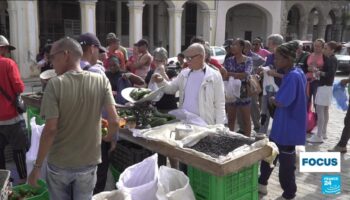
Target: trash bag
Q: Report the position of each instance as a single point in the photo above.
(112, 195)
(173, 185)
(140, 180)
(34, 147)
(340, 96)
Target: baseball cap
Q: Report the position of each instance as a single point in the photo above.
(112, 36)
(5, 43)
(91, 39)
(228, 42)
(142, 42)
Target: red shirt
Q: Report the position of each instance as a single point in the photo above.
(11, 82)
(215, 62)
(119, 55)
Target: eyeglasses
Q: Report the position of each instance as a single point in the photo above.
(52, 56)
(189, 58)
(255, 44)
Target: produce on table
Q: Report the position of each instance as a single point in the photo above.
(216, 145)
(23, 193)
(144, 115)
(139, 93)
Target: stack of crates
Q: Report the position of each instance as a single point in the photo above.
(242, 185)
(125, 155)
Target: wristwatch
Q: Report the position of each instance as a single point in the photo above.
(36, 166)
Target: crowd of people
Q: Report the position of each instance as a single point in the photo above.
(91, 77)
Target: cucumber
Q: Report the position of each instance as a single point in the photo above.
(157, 121)
(163, 115)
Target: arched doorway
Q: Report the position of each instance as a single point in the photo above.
(4, 20)
(317, 25)
(58, 19)
(330, 29)
(293, 27)
(246, 21)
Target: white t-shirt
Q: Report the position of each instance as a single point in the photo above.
(191, 95)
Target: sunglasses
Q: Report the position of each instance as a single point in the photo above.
(52, 56)
(189, 58)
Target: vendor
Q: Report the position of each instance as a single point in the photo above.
(201, 88)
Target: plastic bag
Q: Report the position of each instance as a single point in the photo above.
(140, 180)
(112, 195)
(232, 89)
(340, 96)
(173, 185)
(34, 147)
(153, 86)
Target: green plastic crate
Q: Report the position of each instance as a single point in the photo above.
(33, 112)
(44, 193)
(242, 185)
(115, 173)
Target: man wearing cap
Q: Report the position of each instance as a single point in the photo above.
(91, 50)
(143, 63)
(115, 49)
(72, 106)
(12, 124)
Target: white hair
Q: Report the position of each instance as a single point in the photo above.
(197, 47)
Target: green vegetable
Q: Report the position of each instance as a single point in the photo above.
(164, 115)
(139, 93)
(157, 121)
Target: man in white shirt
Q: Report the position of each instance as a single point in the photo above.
(201, 88)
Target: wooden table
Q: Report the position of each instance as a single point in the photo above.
(193, 160)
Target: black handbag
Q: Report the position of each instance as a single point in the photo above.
(17, 102)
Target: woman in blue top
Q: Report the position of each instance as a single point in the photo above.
(240, 67)
(289, 124)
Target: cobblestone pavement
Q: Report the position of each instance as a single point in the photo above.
(309, 184)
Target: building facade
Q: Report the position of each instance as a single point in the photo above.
(168, 23)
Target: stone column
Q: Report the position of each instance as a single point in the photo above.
(119, 19)
(174, 31)
(135, 21)
(303, 27)
(24, 34)
(209, 25)
(88, 16)
(151, 26)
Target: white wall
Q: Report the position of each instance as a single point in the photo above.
(272, 10)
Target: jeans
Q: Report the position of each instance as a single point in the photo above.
(71, 184)
(286, 171)
(345, 136)
(102, 168)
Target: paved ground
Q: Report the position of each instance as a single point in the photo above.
(309, 184)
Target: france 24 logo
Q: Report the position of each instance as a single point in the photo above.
(319, 162)
(331, 184)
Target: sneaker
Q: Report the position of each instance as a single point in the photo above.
(338, 149)
(262, 189)
(315, 139)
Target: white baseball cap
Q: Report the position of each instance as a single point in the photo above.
(5, 43)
